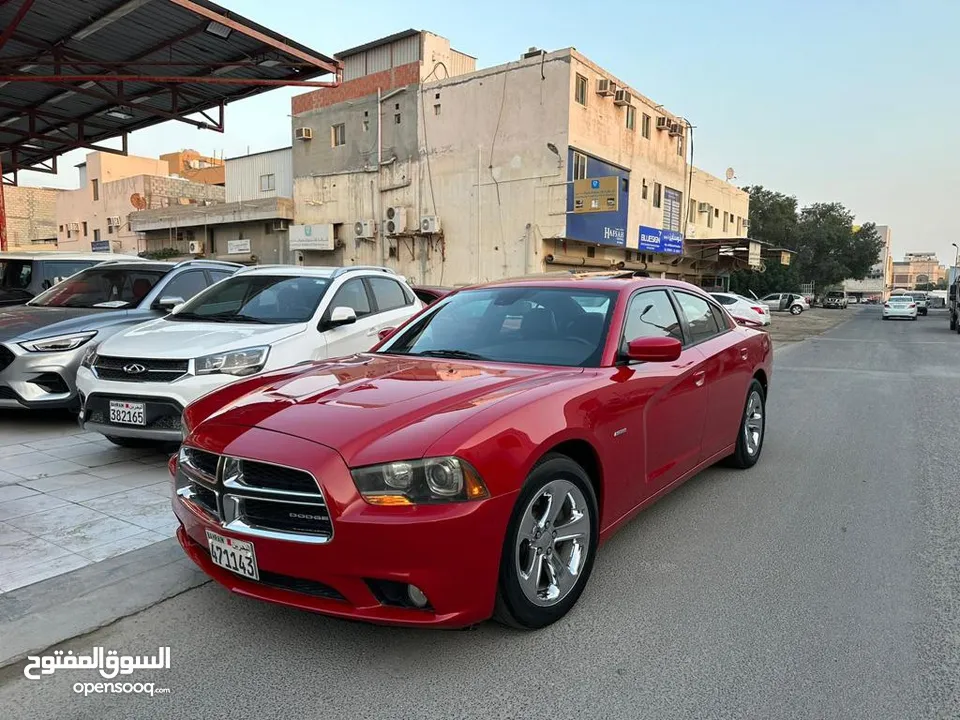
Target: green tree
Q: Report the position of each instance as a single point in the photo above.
(829, 251)
(773, 217)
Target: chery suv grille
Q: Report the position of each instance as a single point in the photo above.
(123, 369)
(253, 497)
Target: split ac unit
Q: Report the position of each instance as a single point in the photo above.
(303, 133)
(430, 224)
(196, 247)
(364, 229)
(622, 97)
(395, 221)
(606, 87)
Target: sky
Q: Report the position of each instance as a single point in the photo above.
(850, 101)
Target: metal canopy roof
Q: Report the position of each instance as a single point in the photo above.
(74, 74)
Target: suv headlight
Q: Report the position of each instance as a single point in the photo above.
(89, 358)
(236, 362)
(412, 482)
(58, 343)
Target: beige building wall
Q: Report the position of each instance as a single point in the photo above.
(31, 216)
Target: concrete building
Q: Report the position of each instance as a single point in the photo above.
(879, 281)
(250, 227)
(918, 268)
(453, 174)
(31, 216)
(191, 165)
(95, 215)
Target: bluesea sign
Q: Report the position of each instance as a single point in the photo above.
(660, 241)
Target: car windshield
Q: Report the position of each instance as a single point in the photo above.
(109, 287)
(265, 299)
(15, 274)
(835, 294)
(527, 324)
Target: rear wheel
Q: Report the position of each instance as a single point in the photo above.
(795, 309)
(549, 547)
(753, 425)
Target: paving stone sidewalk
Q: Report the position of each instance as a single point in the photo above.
(69, 498)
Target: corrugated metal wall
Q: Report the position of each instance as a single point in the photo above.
(461, 64)
(243, 175)
(406, 51)
(378, 59)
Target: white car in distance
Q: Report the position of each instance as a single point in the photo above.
(135, 386)
(900, 306)
(743, 308)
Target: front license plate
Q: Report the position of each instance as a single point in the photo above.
(127, 413)
(237, 556)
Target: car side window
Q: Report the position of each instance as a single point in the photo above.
(720, 318)
(185, 285)
(699, 315)
(218, 275)
(55, 271)
(388, 294)
(651, 314)
(352, 294)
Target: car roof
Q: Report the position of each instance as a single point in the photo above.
(319, 271)
(617, 280)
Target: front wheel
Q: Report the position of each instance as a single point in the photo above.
(795, 309)
(753, 425)
(549, 547)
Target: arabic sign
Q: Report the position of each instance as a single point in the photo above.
(604, 225)
(753, 254)
(312, 237)
(238, 247)
(660, 241)
(100, 246)
(596, 195)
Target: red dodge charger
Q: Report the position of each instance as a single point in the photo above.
(470, 464)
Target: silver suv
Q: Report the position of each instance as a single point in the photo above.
(835, 299)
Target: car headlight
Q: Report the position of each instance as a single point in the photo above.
(236, 362)
(58, 343)
(89, 358)
(412, 482)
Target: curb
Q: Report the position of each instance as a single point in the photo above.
(39, 616)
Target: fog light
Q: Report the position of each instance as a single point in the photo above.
(416, 596)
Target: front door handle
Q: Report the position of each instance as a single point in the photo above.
(699, 378)
(680, 366)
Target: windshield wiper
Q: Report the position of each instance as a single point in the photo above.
(459, 354)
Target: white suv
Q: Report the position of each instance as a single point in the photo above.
(134, 386)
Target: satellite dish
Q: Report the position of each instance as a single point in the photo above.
(138, 201)
(730, 174)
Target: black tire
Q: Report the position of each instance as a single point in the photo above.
(742, 458)
(796, 309)
(884, 318)
(513, 608)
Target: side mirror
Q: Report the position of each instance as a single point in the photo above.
(385, 333)
(342, 315)
(654, 349)
(170, 302)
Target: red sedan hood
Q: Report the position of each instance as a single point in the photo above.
(375, 408)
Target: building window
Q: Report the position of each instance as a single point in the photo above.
(84, 229)
(268, 183)
(644, 190)
(716, 212)
(109, 229)
(680, 146)
(61, 228)
(338, 135)
(436, 109)
(396, 118)
(591, 251)
(95, 184)
(692, 211)
(631, 117)
(645, 126)
(96, 234)
(726, 224)
(579, 166)
(739, 225)
(657, 195)
(581, 91)
(366, 126)
(709, 219)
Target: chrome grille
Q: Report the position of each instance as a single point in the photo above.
(254, 498)
(124, 369)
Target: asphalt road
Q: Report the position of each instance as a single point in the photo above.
(824, 583)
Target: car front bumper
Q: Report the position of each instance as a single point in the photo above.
(451, 552)
(164, 403)
(38, 380)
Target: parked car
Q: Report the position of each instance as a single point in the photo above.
(794, 303)
(900, 306)
(429, 294)
(43, 342)
(135, 386)
(24, 275)
(836, 299)
(742, 308)
(505, 416)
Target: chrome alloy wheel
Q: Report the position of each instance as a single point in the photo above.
(552, 542)
(753, 423)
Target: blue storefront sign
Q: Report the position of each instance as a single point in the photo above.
(100, 246)
(660, 241)
(601, 226)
